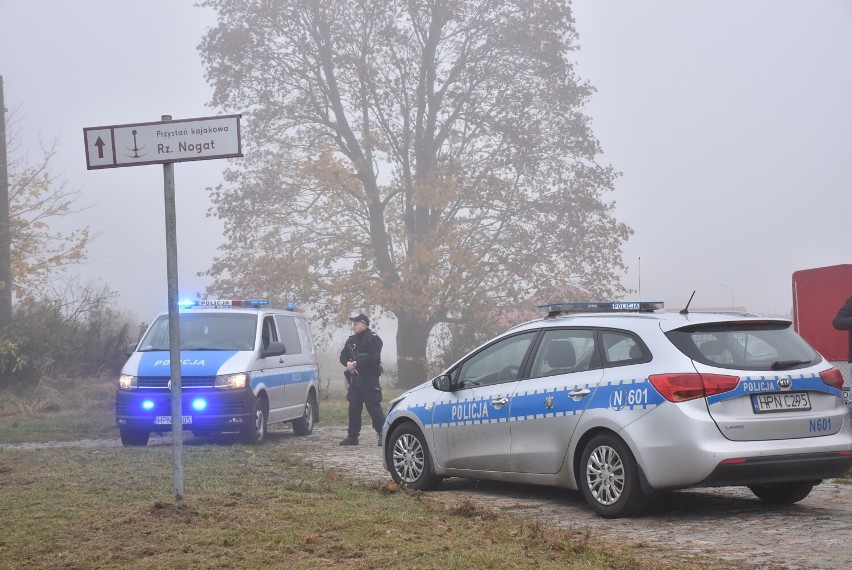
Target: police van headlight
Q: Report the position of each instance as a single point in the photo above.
(232, 381)
(126, 382)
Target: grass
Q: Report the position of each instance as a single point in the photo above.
(251, 507)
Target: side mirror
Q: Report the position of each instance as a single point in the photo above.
(131, 348)
(274, 349)
(443, 383)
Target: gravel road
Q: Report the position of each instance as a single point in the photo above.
(720, 528)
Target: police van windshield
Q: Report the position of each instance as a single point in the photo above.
(204, 331)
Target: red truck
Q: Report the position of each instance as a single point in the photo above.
(818, 293)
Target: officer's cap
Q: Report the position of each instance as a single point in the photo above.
(360, 318)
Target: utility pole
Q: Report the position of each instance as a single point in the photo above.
(5, 224)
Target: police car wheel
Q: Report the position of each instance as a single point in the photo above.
(409, 459)
(783, 493)
(256, 432)
(609, 478)
(305, 424)
(134, 437)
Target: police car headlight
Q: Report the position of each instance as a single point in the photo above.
(126, 382)
(232, 381)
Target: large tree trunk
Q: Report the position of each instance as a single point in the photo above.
(412, 337)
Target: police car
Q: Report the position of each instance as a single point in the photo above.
(619, 400)
(243, 366)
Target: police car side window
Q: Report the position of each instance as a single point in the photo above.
(563, 351)
(289, 334)
(495, 364)
(621, 349)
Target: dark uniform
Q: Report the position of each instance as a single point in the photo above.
(843, 322)
(363, 387)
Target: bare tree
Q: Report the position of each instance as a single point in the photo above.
(428, 158)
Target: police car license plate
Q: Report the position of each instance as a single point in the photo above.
(783, 402)
(167, 420)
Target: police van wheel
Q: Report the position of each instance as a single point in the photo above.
(134, 437)
(305, 424)
(609, 478)
(409, 459)
(256, 432)
(783, 493)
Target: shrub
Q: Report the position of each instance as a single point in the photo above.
(81, 337)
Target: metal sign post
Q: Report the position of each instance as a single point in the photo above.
(174, 330)
(165, 143)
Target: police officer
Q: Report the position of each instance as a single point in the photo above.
(843, 322)
(362, 357)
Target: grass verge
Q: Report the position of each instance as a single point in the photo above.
(251, 507)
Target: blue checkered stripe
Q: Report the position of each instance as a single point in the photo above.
(769, 384)
(619, 395)
(278, 378)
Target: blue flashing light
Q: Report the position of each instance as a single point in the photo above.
(291, 306)
(186, 303)
(199, 404)
(147, 404)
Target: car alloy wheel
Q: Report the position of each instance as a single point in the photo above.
(605, 475)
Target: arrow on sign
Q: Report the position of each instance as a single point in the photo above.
(100, 144)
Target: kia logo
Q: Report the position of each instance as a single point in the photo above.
(785, 382)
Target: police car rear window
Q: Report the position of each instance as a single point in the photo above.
(745, 346)
(204, 331)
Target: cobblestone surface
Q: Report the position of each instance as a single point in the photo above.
(724, 528)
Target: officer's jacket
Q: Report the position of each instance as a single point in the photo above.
(366, 347)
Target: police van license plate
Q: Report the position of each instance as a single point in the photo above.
(783, 402)
(167, 420)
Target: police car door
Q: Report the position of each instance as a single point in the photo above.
(546, 406)
(471, 424)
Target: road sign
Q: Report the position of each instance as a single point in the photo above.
(163, 142)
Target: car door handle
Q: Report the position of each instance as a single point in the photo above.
(579, 393)
(499, 402)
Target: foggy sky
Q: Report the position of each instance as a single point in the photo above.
(730, 122)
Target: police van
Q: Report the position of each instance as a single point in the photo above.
(243, 366)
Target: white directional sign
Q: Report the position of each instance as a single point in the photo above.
(162, 142)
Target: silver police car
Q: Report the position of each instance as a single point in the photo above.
(619, 400)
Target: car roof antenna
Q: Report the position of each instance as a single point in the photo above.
(685, 310)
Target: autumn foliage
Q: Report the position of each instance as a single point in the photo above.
(430, 160)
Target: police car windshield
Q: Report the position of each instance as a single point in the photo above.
(204, 331)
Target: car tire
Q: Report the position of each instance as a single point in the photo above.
(783, 493)
(609, 478)
(256, 432)
(134, 437)
(409, 460)
(305, 424)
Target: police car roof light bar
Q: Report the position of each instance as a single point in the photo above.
(556, 309)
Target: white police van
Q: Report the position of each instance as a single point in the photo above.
(243, 366)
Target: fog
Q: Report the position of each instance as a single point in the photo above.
(729, 121)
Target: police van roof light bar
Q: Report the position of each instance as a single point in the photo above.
(556, 309)
(224, 303)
